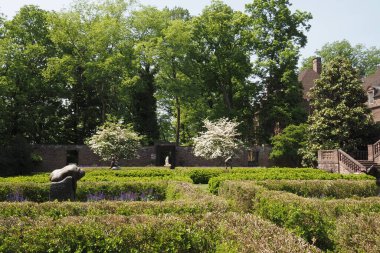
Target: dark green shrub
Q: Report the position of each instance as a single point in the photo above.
(202, 176)
(15, 158)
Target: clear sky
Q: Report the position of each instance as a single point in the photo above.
(356, 21)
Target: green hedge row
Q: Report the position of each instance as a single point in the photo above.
(87, 191)
(315, 220)
(337, 189)
(196, 175)
(282, 174)
(64, 209)
(211, 232)
(97, 175)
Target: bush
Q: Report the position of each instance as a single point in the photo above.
(286, 146)
(153, 190)
(280, 174)
(338, 189)
(65, 209)
(202, 176)
(312, 219)
(15, 158)
(358, 233)
(210, 232)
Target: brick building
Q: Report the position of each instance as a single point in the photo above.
(371, 85)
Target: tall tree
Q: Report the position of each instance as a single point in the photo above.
(222, 59)
(175, 86)
(92, 62)
(31, 105)
(340, 119)
(147, 25)
(365, 60)
(278, 35)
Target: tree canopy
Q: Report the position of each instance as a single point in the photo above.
(162, 71)
(340, 119)
(365, 60)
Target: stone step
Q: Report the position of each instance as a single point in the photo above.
(368, 164)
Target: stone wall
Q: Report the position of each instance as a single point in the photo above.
(56, 156)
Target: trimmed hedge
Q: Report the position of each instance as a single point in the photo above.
(358, 233)
(315, 220)
(154, 190)
(338, 189)
(202, 176)
(211, 232)
(64, 209)
(103, 174)
(281, 174)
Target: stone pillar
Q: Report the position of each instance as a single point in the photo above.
(328, 160)
(370, 152)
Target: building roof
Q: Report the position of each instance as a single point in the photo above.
(307, 78)
(372, 80)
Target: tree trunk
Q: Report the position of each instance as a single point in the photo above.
(178, 121)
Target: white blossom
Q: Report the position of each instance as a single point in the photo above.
(219, 140)
(113, 140)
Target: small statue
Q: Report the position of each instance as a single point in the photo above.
(114, 164)
(228, 162)
(375, 172)
(64, 182)
(167, 164)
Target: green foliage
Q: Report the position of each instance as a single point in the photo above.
(286, 145)
(358, 233)
(365, 60)
(114, 141)
(148, 67)
(337, 189)
(279, 174)
(222, 66)
(313, 219)
(340, 119)
(278, 35)
(39, 192)
(202, 176)
(190, 219)
(16, 158)
(163, 233)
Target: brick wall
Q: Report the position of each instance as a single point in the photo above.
(55, 157)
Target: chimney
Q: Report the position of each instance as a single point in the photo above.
(317, 65)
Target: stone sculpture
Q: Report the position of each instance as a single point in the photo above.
(64, 182)
(375, 172)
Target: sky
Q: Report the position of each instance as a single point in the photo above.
(333, 20)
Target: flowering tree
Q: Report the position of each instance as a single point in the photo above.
(113, 141)
(220, 140)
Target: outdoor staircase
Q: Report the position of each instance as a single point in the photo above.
(367, 164)
(339, 161)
